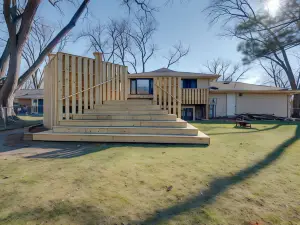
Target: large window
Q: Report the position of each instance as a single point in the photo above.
(189, 83)
(141, 86)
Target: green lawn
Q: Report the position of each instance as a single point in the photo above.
(245, 176)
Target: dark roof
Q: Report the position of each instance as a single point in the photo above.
(30, 94)
(239, 86)
(171, 73)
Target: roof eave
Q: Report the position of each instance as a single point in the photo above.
(173, 74)
(291, 92)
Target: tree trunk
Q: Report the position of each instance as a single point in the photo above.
(11, 82)
(4, 59)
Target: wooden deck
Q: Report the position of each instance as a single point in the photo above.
(128, 126)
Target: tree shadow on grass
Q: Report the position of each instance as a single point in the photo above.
(222, 184)
(69, 152)
(74, 152)
(250, 130)
(67, 211)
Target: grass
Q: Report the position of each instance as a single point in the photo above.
(24, 121)
(245, 176)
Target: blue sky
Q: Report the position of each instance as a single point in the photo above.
(180, 21)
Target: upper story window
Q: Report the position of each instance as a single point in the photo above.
(189, 83)
(141, 86)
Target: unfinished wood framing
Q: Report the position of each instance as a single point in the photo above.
(79, 74)
(179, 97)
(117, 82)
(86, 83)
(194, 96)
(113, 82)
(78, 83)
(60, 86)
(174, 95)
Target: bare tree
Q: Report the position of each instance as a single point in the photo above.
(142, 34)
(176, 54)
(102, 38)
(19, 18)
(275, 74)
(19, 22)
(262, 36)
(97, 40)
(226, 70)
(123, 40)
(40, 36)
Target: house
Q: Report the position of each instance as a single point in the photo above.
(87, 99)
(33, 99)
(225, 99)
(230, 98)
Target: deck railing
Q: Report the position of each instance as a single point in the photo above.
(194, 95)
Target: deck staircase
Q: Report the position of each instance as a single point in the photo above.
(135, 121)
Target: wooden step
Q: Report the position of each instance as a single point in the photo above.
(125, 112)
(179, 123)
(128, 107)
(168, 117)
(200, 138)
(129, 102)
(189, 130)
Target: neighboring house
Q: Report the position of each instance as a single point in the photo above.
(233, 98)
(33, 99)
(224, 98)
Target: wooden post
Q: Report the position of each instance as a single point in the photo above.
(160, 92)
(60, 86)
(104, 79)
(122, 80)
(126, 82)
(207, 110)
(91, 79)
(98, 77)
(179, 97)
(118, 82)
(56, 100)
(174, 95)
(108, 83)
(113, 82)
(79, 64)
(169, 95)
(165, 94)
(67, 87)
(74, 82)
(155, 90)
(86, 85)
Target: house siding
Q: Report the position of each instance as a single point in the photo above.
(23, 101)
(221, 107)
(203, 83)
(276, 104)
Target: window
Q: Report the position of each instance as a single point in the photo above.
(133, 87)
(189, 83)
(141, 86)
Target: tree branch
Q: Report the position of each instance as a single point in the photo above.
(53, 43)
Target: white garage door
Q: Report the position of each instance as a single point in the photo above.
(231, 101)
(276, 104)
